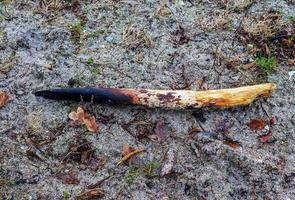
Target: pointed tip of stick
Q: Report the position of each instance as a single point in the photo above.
(40, 93)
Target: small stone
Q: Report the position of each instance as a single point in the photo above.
(109, 39)
(266, 129)
(48, 67)
(20, 92)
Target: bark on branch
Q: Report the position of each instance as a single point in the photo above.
(172, 99)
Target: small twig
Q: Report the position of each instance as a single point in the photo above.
(128, 156)
(91, 194)
(98, 183)
(72, 152)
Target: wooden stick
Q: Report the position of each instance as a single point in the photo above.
(172, 99)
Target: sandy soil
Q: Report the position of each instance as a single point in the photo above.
(178, 44)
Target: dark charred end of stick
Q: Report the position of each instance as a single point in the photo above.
(95, 95)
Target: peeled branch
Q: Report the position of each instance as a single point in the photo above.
(171, 99)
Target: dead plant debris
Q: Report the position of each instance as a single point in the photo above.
(90, 194)
(265, 138)
(81, 117)
(3, 98)
(168, 162)
(161, 131)
(231, 143)
(128, 152)
(256, 124)
(83, 153)
(69, 177)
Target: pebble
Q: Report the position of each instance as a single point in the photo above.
(20, 92)
(109, 39)
(266, 129)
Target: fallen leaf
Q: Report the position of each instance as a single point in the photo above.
(3, 98)
(91, 194)
(249, 65)
(126, 149)
(85, 156)
(264, 138)
(91, 124)
(68, 177)
(256, 124)
(81, 117)
(161, 131)
(77, 117)
(168, 162)
(291, 62)
(231, 143)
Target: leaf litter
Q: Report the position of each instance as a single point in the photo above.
(3, 98)
(128, 152)
(256, 124)
(81, 117)
(264, 126)
(69, 177)
(161, 131)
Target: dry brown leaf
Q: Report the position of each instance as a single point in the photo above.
(3, 98)
(126, 149)
(77, 117)
(91, 124)
(231, 143)
(161, 131)
(168, 162)
(68, 177)
(249, 65)
(291, 62)
(256, 124)
(91, 194)
(81, 117)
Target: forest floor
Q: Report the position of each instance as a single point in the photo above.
(238, 153)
